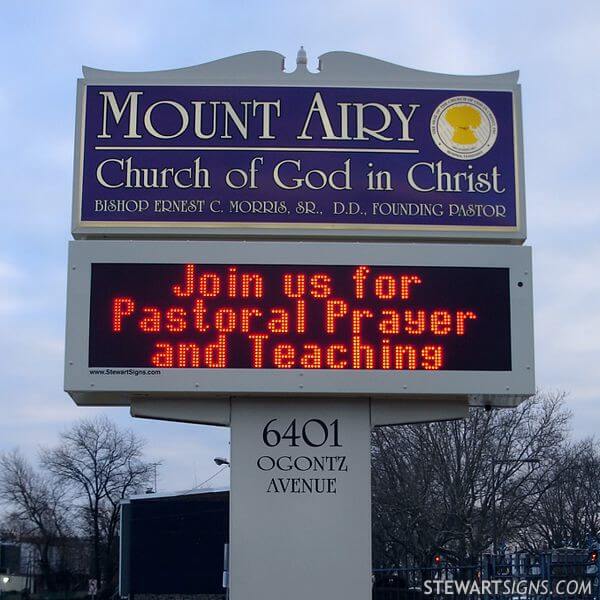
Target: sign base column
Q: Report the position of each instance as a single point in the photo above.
(300, 516)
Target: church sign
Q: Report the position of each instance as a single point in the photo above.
(278, 318)
(300, 256)
(299, 158)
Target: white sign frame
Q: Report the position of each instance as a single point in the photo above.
(498, 388)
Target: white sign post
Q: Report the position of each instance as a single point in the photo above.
(301, 499)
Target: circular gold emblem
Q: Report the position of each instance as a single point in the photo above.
(464, 127)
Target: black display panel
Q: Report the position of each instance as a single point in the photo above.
(174, 545)
(360, 317)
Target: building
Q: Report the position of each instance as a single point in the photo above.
(16, 567)
(174, 543)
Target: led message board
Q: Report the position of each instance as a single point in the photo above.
(292, 317)
(233, 318)
(310, 156)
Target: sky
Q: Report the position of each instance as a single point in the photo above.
(554, 44)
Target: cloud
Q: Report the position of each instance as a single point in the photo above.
(8, 272)
(10, 278)
(572, 44)
(54, 153)
(111, 29)
(30, 288)
(568, 321)
(4, 101)
(563, 209)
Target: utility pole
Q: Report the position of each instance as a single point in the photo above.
(155, 466)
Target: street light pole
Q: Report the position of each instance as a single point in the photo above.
(220, 461)
(155, 467)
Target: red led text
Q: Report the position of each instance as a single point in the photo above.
(269, 317)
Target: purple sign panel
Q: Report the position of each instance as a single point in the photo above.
(327, 159)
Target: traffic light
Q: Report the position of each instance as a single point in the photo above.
(437, 559)
(594, 556)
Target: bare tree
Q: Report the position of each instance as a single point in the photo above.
(455, 487)
(38, 509)
(568, 514)
(100, 464)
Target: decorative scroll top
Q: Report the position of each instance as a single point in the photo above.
(268, 67)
